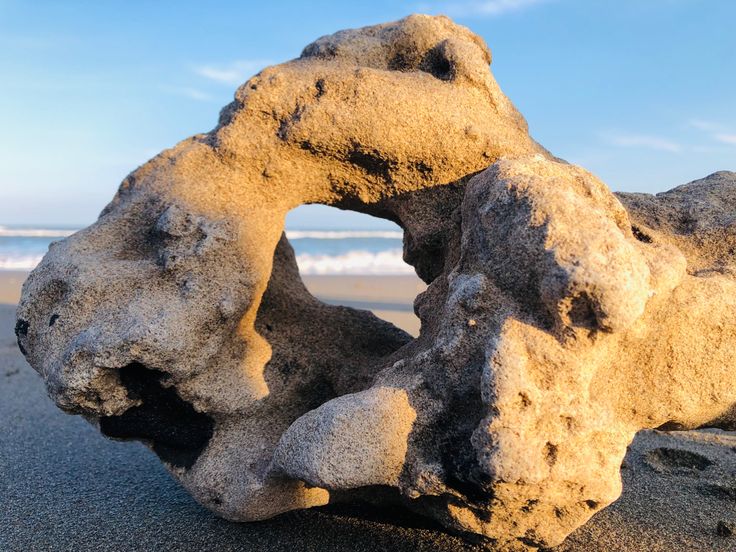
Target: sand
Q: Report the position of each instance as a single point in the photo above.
(389, 297)
(63, 487)
(10, 283)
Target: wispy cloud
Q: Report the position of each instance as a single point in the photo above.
(702, 124)
(641, 141)
(710, 137)
(233, 73)
(705, 149)
(485, 8)
(726, 138)
(188, 92)
(717, 131)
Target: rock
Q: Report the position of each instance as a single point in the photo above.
(581, 335)
(698, 218)
(725, 528)
(558, 321)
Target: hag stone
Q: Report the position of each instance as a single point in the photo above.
(559, 318)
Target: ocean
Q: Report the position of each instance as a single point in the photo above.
(317, 251)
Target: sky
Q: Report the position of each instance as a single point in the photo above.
(640, 92)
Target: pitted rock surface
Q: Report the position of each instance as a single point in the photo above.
(558, 321)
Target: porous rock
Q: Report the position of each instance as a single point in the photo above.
(559, 319)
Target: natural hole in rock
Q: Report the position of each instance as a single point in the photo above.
(355, 260)
(640, 235)
(177, 432)
(582, 313)
(438, 65)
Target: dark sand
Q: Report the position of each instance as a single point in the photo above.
(63, 487)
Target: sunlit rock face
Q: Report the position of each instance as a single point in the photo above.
(559, 319)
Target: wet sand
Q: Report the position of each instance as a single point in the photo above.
(63, 487)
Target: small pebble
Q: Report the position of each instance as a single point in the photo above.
(725, 528)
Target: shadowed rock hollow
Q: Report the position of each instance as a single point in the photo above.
(558, 321)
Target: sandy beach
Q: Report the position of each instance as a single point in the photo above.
(389, 297)
(10, 284)
(64, 487)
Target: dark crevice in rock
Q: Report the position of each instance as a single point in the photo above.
(582, 314)
(550, 454)
(285, 125)
(371, 162)
(306, 145)
(380, 504)
(21, 331)
(422, 168)
(458, 457)
(438, 65)
(671, 426)
(640, 235)
(400, 62)
(531, 539)
(398, 516)
(178, 434)
(227, 113)
(21, 328)
(427, 255)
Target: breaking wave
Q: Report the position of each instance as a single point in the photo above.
(20, 262)
(6, 232)
(344, 234)
(354, 262)
(317, 251)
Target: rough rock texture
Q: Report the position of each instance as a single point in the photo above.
(547, 342)
(552, 329)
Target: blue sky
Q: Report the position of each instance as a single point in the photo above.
(641, 92)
